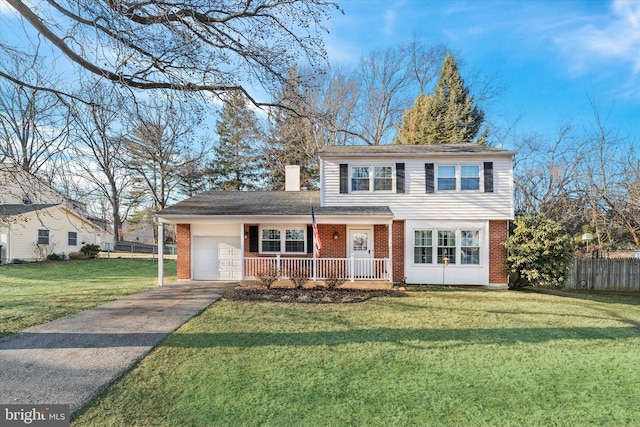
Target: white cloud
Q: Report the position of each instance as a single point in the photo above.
(615, 36)
(389, 22)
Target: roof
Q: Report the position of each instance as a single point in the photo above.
(265, 203)
(407, 150)
(20, 209)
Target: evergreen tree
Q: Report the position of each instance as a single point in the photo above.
(235, 164)
(446, 116)
(291, 138)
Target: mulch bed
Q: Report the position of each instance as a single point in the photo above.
(318, 296)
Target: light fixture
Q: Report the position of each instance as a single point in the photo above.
(335, 235)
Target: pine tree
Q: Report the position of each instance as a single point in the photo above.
(235, 164)
(291, 138)
(446, 116)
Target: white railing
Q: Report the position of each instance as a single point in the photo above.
(351, 269)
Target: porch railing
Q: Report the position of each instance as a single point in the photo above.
(350, 269)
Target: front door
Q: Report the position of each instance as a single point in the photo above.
(361, 249)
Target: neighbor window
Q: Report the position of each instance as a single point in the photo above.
(270, 240)
(294, 240)
(446, 246)
(360, 178)
(383, 178)
(43, 237)
(72, 238)
(422, 247)
(470, 177)
(446, 178)
(470, 247)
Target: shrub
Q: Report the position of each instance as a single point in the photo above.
(55, 257)
(334, 278)
(90, 250)
(539, 252)
(299, 277)
(267, 276)
(77, 256)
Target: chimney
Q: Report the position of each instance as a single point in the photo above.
(292, 178)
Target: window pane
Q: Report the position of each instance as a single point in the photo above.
(470, 171)
(270, 234)
(423, 238)
(470, 256)
(360, 179)
(295, 234)
(294, 240)
(422, 255)
(270, 246)
(73, 238)
(470, 251)
(470, 183)
(423, 250)
(294, 246)
(446, 246)
(446, 171)
(43, 237)
(471, 238)
(383, 180)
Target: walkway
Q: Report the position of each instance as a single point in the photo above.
(70, 360)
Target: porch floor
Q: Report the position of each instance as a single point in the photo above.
(373, 285)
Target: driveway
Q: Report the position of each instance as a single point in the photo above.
(71, 360)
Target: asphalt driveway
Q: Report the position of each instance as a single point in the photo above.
(70, 360)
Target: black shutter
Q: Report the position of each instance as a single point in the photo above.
(253, 238)
(429, 178)
(344, 178)
(488, 177)
(399, 177)
(309, 239)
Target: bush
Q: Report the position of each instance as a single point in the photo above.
(539, 253)
(56, 257)
(334, 279)
(267, 276)
(299, 277)
(90, 250)
(77, 256)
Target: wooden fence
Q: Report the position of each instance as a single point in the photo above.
(604, 274)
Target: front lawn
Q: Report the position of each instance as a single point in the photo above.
(31, 294)
(442, 358)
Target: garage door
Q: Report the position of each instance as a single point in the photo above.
(216, 258)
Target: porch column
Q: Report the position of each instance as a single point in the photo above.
(242, 252)
(160, 253)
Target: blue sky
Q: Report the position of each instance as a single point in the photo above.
(551, 57)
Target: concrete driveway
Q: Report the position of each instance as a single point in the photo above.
(70, 360)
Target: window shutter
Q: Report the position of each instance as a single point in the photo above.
(344, 178)
(399, 177)
(309, 239)
(429, 178)
(253, 238)
(488, 177)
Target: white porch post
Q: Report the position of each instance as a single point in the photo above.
(160, 254)
(390, 260)
(242, 252)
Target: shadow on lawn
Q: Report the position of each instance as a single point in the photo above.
(400, 336)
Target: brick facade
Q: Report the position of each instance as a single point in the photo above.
(183, 241)
(397, 237)
(498, 233)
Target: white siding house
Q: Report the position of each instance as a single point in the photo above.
(420, 214)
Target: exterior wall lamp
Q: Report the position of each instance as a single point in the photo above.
(335, 235)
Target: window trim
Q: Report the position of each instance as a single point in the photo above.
(283, 238)
(458, 177)
(371, 167)
(457, 260)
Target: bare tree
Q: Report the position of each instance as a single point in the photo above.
(196, 46)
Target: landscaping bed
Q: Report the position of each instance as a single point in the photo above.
(307, 295)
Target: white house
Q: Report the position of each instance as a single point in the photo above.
(420, 214)
(36, 220)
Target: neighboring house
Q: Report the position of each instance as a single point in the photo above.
(36, 220)
(420, 214)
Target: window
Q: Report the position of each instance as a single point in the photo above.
(470, 250)
(43, 237)
(360, 178)
(270, 240)
(72, 238)
(446, 246)
(446, 178)
(470, 178)
(383, 178)
(294, 240)
(422, 247)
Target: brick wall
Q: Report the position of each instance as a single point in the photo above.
(183, 241)
(397, 237)
(498, 232)
(333, 248)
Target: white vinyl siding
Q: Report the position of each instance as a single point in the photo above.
(415, 203)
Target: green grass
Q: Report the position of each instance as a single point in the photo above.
(432, 358)
(32, 294)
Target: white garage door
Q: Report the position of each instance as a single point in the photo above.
(216, 258)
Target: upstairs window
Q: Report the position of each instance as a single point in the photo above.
(383, 178)
(446, 178)
(470, 177)
(360, 178)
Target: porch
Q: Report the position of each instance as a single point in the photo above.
(317, 269)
